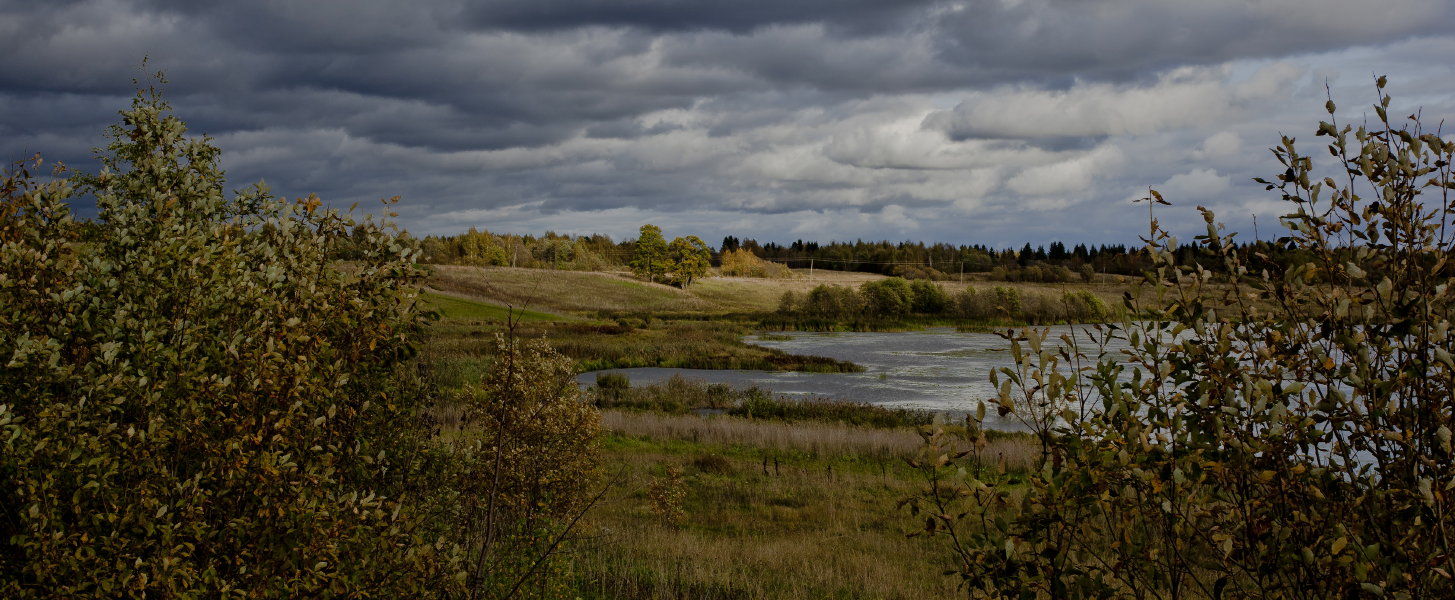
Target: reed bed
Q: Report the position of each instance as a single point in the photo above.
(814, 526)
(1006, 453)
(834, 562)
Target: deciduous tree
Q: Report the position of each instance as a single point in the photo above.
(649, 256)
(688, 259)
(201, 400)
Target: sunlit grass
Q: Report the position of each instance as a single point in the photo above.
(566, 292)
(461, 309)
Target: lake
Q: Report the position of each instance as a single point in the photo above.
(936, 369)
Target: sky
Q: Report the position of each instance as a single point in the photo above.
(970, 122)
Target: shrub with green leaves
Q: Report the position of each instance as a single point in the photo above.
(526, 461)
(1287, 435)
(887, 298)
(200, 400)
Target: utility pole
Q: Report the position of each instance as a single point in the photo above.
(810, 269)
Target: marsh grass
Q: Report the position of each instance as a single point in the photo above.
(680, 395)
(1005, 452)
(767, 406)
(771, 510)
(687, 344)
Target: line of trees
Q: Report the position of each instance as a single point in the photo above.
(918, 260)
(891, 301)
(1058, 264)
(910, 260)
(480, 247)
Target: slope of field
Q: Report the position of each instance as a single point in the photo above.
(570, 292)
(579, 292)
(455, 308)
(593, 294)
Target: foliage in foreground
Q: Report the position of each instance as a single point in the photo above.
(198, 401)
(1298, 453)
(526, 456)
(202, 400)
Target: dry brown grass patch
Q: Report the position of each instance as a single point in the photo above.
(1006, 454)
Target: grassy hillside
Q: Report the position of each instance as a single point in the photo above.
(455, 308)
(593, 294)
(562, 292)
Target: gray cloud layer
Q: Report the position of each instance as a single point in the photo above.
(977, 121)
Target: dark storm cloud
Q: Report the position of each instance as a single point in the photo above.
(671, 16)
(832, 118)
(628, 129)
(315, 27)
(1121, 39)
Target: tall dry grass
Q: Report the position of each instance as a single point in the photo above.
(1007, 453)
(812, 527)
(837, 561)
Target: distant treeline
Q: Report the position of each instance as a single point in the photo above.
(916, 260)
(894, 301)
(550, 251)
(1056, 263)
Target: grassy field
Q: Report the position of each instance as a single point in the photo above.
(789, 504)
(563, 292)
(768, 510)
(595, 294)
(601, 320)
(478, 312)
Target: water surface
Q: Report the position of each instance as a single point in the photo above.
(936, 369)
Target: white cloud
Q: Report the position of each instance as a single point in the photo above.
(1193, 186)
(1181, 98)
(1072, 175)
(1219, 145)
